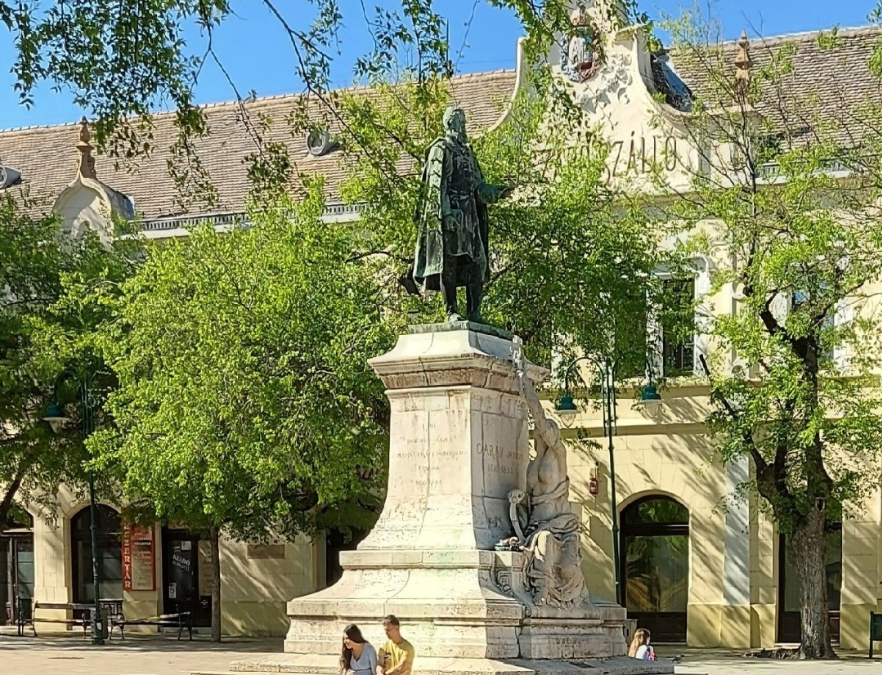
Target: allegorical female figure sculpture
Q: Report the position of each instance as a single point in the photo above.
(550, 528)
(453, 244)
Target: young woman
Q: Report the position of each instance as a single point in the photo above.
(359, 656)
(640, 648)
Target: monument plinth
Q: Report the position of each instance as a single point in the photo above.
(459, 450)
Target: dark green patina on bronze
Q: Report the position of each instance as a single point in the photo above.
(453, 244)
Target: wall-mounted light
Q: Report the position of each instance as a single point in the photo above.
(593, 485)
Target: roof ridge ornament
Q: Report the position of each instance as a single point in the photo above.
(743, 64)
(86, 168)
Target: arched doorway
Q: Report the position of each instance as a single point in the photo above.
(109, 554)
(655, 565)
(789, 603)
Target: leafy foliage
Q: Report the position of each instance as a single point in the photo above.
(53, 298)
(789, 213)
(245, 401)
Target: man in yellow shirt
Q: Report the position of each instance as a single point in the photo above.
(396, 656)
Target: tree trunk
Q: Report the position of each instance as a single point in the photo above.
(214, 535)
(809, 547)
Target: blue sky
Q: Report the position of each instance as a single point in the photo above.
(254, 49)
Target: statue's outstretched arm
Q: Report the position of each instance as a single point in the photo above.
(487, 192)
(544, 427)
(490, 194)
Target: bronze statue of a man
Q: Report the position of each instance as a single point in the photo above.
(452, 248)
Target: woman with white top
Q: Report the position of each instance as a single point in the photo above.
(359, 656)
(640, 648)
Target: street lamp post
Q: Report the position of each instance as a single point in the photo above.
(57, 419)
(607, 370)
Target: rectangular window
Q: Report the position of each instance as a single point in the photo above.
(630, 339)
(801, 298)
(678, 327)
(657, 573)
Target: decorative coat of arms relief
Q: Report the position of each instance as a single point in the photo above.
(582, 55)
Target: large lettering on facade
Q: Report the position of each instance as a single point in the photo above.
(643, 155)
(640, 155)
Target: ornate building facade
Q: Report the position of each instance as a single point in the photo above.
(690, 570)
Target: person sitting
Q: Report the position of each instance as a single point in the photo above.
(359, 656)
(397, 655)
(640, 648)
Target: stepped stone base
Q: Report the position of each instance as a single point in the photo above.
(326, 665)
(452, 604)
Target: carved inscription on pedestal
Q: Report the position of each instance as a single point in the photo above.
(498, 460)
(444, 462)
(411, 458)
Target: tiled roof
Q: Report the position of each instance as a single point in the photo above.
(46, 156)
(822, 81)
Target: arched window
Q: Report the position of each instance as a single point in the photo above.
(655, 565)
(109, 554)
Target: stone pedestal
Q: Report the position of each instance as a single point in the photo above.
(459, 443)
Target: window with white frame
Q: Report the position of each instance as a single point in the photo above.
(677, 331)
(678, 328)
(840, 316)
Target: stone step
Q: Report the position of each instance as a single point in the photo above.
(294, 664)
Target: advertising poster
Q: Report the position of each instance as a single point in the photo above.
(138, 558)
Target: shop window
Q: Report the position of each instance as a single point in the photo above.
(109, 554)
(16, 565)
(186, 574)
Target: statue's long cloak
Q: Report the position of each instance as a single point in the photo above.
(466, 242)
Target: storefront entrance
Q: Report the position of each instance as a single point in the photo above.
(186, 575)
(109, 554)
(16, 567)
(655, 566)
(789, 603)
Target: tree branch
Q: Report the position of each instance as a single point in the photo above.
(759, 461)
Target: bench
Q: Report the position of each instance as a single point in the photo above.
(180, 620)
(79, 614)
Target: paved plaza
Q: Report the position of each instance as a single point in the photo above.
(161, 656)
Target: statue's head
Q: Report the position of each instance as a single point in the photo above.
(454, 122)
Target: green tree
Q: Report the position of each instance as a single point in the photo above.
(51, 302)
(245, 403)
(788, 209)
